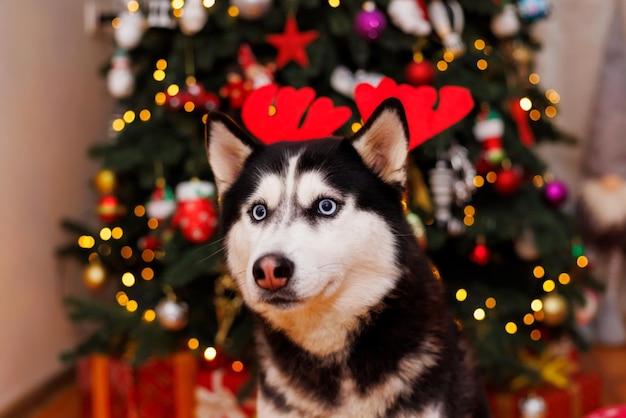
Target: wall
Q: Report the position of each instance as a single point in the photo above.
(53, 105)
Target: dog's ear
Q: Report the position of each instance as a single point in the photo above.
(383, 142)
(227, 147)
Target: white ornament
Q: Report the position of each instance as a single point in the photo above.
(343, 81)
(506, 23)
(441, 178)
(120, 79)
(533, 406)
(159, 15)
(252, 9)
(448, 21)
(194, 189)
(194, 17)
(171, 314)
(130, 29)
(409, 16)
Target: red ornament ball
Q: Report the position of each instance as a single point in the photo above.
(108, 209)
(507, 182)
(420, 73)
(480, 254)
(197, 219)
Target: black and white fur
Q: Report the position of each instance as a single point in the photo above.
(352, 321)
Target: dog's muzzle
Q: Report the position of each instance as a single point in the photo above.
(272, 272)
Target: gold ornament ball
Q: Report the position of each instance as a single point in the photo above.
(555, 309)
(104, 181)
(94, 276)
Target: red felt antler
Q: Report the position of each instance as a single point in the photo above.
(273, 113)
(424, 121)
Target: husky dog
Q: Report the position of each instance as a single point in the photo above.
(352, 320)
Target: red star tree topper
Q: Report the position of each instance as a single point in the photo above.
(291, 44)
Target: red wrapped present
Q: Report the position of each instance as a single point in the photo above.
(221, 386)
(161, 388)
(582, 396)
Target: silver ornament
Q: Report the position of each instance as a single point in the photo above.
(172, 314)
(252, 9)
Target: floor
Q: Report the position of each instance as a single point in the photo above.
(610, 362)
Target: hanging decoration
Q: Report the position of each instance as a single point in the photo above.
(520, 116)
(120, 79)
(235, 90)
(195, 212)
(420, 73)
(533, 10)
(104, 181)
(508, 181)
(129, 29)
(344, 81)
(161, 204)
(258, 74)
(194, 17)
(506, 23)
(252, 9)
(291, 44)
(160, 14)
(410, 16)
(447, 19)
(555, 193)
(370, 22)
(488, 130)
(94, 275)
(193, 93)
(171, 313)
(555, 309)
(109, 209)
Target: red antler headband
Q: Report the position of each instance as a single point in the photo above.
(274, 114)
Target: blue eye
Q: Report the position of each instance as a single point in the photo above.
(327, 207)
(259, 212)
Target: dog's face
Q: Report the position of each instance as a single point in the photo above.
(306, 224)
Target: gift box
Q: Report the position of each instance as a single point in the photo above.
(160, 388)
(224, 390)
(579, 398)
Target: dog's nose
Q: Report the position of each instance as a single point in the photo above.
(272, 271)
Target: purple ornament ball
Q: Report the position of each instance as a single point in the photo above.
(370, 22)
(555, 193)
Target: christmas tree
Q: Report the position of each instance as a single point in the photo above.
(482, 203)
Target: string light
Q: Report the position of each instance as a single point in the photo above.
(118, 124)
(479, 44)
(334, 3)
(132, 306)
(128, 279)
(448, 56)
(538, 181)
(139, 211)
(538, 272)
(550, 111)
(468, 220)
(553, 96)
(356, 126)
(549, 286)
(479, 314)
(529, 319)
(461, 295)
(105, 234)
(511, 327)
(147, 255)
(490, 303)
(86, 241)
(121, 298)
(161, 64)
(582, 261)
(208, 3)
(147, 274)
(193, 343)
(534, 78)
(564, 278)
(469, 210)
(482, 64)
(210, 353)
(132, 6)
(534, 115)
(189, 106)
(525, 103)
(153, 223)
(158, 75)
(535, 335)
(126, 252)
(149, 315)
(178, 4)
(491, 177)
(160, 98)
(271, 110)
(237, 366)
(442, 65)
(173, 89)
(536, 305)
(479, 181)
(117, 232)
(129, 116)
(233, 11)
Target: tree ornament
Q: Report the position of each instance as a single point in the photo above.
(172, 314)
(533, 10)
(370, 22)
(441, 179)
(555, 309)
(488, 130)
(585, 312)
(418, 228)
(109, 209)
(533, 406)
(480, 254)
(555, 193)
(193, 93)
(94, 276)
(526, 246)
(120, 79)
(447, 18)
(104, 181)
(410, 16)
(159, 14)
(291, 44)
(252, 9)
(149, 242)
(520, 116)
(236, 90)
(506, 23)
(258, 74)
(129, 30)
(507, 182)
(344, 81)
(194, 17)
(195, 212)
(420, 73)
(161, 204)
